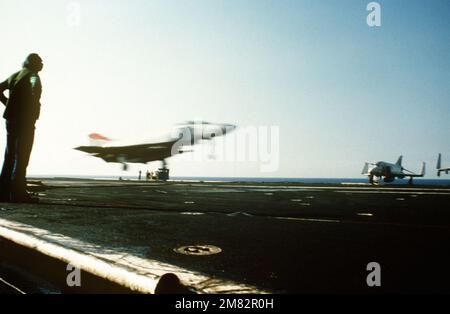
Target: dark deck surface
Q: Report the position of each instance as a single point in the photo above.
(288, 238)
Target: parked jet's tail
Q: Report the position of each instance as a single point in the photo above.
(438, 166)
(399, 161)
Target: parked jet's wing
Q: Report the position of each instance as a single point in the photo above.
(419, 175)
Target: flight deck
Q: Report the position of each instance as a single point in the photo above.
(221, 237)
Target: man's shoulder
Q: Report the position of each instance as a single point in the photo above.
(13, 77)
(10, 78)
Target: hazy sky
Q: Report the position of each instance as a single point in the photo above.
(340, 91)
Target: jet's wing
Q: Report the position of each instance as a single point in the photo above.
(141, 153)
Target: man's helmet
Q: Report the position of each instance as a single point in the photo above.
(33, 62)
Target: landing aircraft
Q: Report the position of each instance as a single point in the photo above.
(390, 171)
(179, 140)
(440, 168)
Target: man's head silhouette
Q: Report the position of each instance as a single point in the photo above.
(33, 63)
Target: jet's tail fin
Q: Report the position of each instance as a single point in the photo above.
(98, 139)
(399, 161)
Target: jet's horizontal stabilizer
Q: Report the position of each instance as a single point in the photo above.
(99, 137)
(96, 139)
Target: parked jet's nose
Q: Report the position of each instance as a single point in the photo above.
(377, 171)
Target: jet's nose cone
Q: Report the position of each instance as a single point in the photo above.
(230, 127)
(85, 149)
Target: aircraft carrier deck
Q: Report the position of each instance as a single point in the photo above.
(267, 237)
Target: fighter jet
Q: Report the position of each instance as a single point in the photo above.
(390, 171)
(179, 140)
(439, 167)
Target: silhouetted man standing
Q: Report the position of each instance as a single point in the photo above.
(22, 110)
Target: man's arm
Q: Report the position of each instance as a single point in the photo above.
(3, 86)
(36, 87)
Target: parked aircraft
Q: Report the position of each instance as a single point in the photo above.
(440, 168)
(390, 171)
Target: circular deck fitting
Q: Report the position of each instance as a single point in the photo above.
(198, 250)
